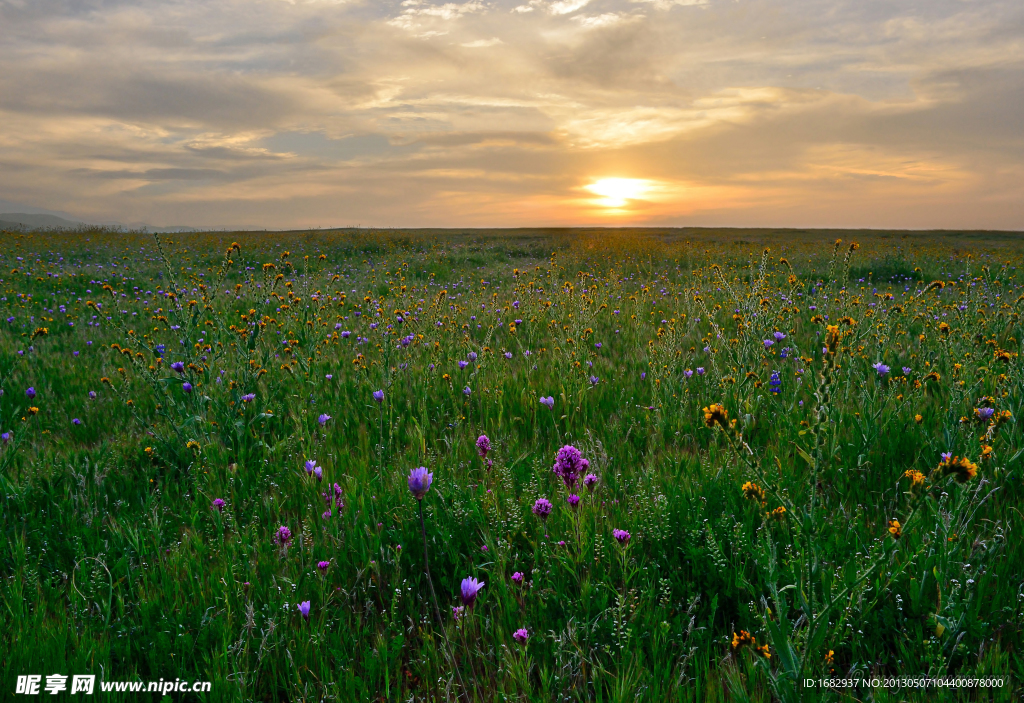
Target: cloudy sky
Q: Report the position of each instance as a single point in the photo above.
(305, 113)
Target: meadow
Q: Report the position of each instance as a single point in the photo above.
(657, 465)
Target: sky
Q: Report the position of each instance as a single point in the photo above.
(335, 113)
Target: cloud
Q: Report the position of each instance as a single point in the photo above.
(484, 112)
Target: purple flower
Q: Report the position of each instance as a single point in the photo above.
(907, 370)
(467, 391)
(569, 464)
(30, 392)
(779, 336)
(508, 355)
(542, 508)
(594, 380)
(326, 515)
(75, 353)
(483, 445)
(472, 356)
(457, 612)
(643, 375)
(328, 377)
(322, 566)
(590, 481)
(419, 482)
(517, 578)
(521, 636)
(598, 345)
(92, 394)
(688, 373)
(323, 419)
(187, 387)
(768, 342)
(700, 370)
(318, 474)
(218, 505)
(985, 413)
(304, 609)
(549, 401)
(573, 501)
(463, 363)
(283, 535)
(248, 397)
(621, 536)
(5, 437)
(310, 465)
(76, 421)
(881, 368)
(378, 396)
(470, 588)
(946, 456)
(178, 366)
(346, 334)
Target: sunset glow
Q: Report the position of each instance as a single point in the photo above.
(326, 113)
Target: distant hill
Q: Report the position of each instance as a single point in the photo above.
(21, 220)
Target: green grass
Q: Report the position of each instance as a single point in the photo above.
(117, 564)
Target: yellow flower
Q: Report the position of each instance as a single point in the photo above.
(915, 476)
(918, 418)
(895, 529)
(961, 468)
(33, 410)
(753, 492)
(715, 414)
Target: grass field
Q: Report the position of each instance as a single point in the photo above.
(802, 461)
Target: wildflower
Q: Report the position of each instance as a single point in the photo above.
(470, 588)
(895, 529)
(508, 355)
(590, 481)
(419, 482)
(33, 410)
(832, 337)
(907, 370)
(569, 464)
(918, 418)
(574, 501)
(467, 391)
(517, 578)
(187, 387)
(92, 395)
(378, 396)
(881, 368)
(178, 366)
(775, 382)
(984, 414)
(542, 508)
(483, 445)
(715, 414)
(688, 373)
(778, 514)
(549, 401)
(309, 466)
(283, 535)
(915, 476)
(318, 474)
(326, 515)
(324, 417)
(961, 468)
(472, 356)
(621, 536)
(218, 505)
(5, 437)
(463, 364)
(30, 392)
(594, 380)
(779, 336)
(933, 376)
(457, 612)
(741, 640)
(521, 636)
(768, 342)
(192, 444)
(304, 609)
(986, 452)
(753, 492)
(322, 566)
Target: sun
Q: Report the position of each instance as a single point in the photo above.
(616, 192)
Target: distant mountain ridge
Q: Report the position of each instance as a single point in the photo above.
(41, 219)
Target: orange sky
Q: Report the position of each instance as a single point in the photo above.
(306, 113)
